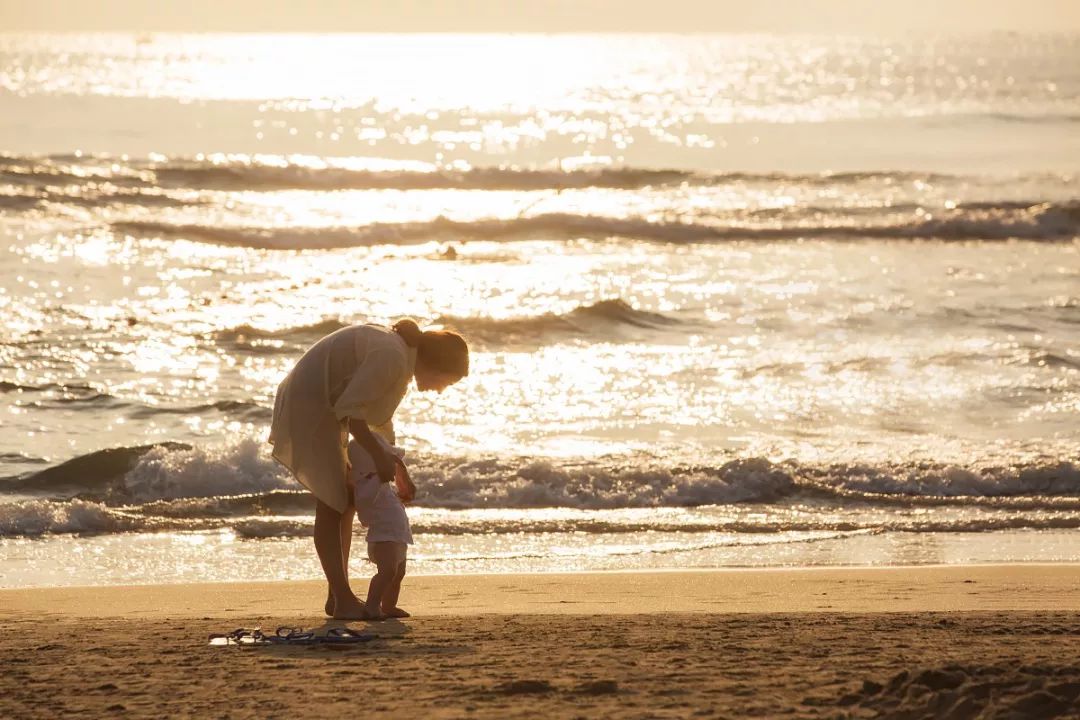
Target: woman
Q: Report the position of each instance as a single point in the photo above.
(350, 382)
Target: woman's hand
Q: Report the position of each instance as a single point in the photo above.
(384, 465)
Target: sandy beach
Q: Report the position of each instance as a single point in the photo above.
(975, 641)
(733, 352)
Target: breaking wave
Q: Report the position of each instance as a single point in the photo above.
(174, 471)
(174, 487)
(180, 481)
(94, 472)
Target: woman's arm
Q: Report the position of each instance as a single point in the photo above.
(384, 464)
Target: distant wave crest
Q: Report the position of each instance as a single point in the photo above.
(85, 397)
(245, 333)
(605, 316)
(237, 173)
(1046, 221)
(600, 317)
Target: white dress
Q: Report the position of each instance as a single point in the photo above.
(378, 506)
(360, 371)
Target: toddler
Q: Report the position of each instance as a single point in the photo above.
(380, 507)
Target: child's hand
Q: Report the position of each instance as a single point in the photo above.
(406, 490)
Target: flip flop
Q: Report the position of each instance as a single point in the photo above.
(240, 636)
(340, 635)
(286, 635)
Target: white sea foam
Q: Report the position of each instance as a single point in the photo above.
(242, 467)
(1050, 479)
(242, 473)
(40, 517)
(238, 486)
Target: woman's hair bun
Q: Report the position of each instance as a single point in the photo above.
(409, 331)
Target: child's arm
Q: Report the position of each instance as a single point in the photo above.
(384, 463)
(406, 490)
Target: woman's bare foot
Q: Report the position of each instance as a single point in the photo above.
(328, 608)
(351, 609)
(395, 612)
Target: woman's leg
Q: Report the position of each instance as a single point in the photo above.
(345, 528)
(346, 537)
(328, 547)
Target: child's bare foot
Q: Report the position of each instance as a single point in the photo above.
(395, 612)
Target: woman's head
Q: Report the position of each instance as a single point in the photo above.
(442, 357)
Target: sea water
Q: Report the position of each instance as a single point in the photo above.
(732, 300)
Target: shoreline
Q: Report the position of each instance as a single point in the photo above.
(929, 588)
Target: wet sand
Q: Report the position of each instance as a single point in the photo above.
(984, 641)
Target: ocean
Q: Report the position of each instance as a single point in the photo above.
(733, 300)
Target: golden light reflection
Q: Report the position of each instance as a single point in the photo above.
(582, 346)
(716, 389)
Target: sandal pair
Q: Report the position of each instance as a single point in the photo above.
(286, 635)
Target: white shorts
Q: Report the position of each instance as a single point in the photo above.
(401, 550)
